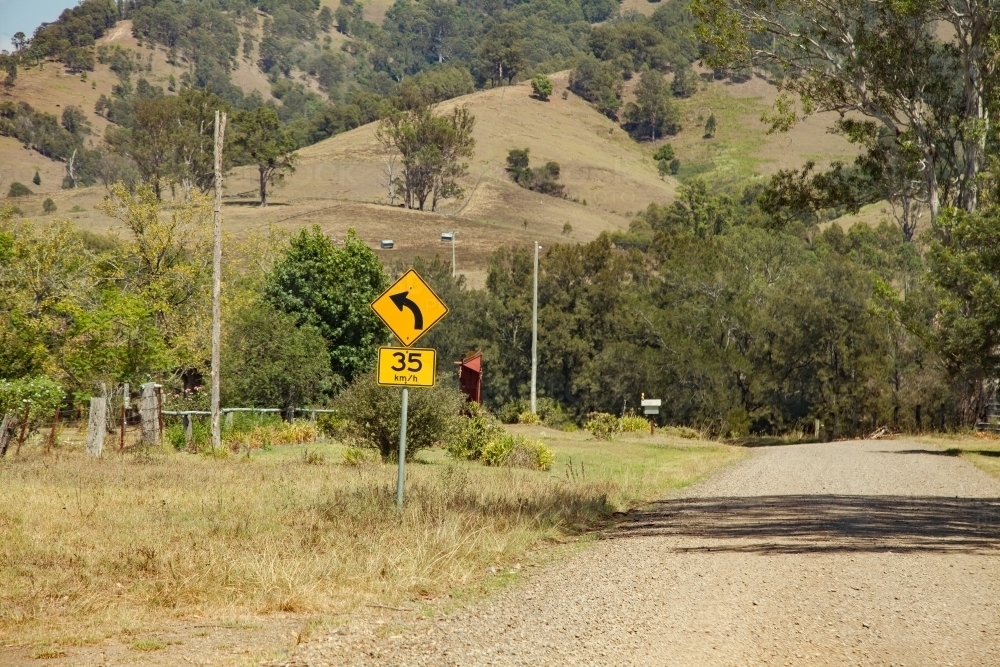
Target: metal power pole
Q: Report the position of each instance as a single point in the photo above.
(220, 132)
(534, 337)
(401, 475)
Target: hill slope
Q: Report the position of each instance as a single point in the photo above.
(340, 182)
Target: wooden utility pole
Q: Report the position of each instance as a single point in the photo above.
(220, 133)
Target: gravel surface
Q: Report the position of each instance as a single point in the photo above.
(852, 553)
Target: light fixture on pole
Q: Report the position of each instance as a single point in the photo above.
(450, 236)
(534, 338)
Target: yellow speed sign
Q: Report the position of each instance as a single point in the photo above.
(407, 366)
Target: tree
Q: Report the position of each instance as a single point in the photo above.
(9, 65)
(500, 54)
(163, 266)
(431, 147)
(541, 85)
(49, 206)
(260, 137)
(78, 60)
(710, 126)
(325, 19)
(19, 41)
(330, 288)
(964, 264)
(36, 179)
(598, 82)
(653, 111)
(75, 121)
(665, 158)
(685, 83)
(924, 72)
(268, 361)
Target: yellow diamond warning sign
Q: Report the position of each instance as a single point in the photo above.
(407, 366)
(409, 308)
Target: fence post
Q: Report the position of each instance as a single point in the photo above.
(97, 426)
(229, 420)
(52, 433)
(24, 427)
(150, 415)
(6, 432)
(188, 429)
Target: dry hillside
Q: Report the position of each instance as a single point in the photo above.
(340, 182)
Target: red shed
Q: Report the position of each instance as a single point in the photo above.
(470, 377)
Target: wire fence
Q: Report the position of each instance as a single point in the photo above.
(123, 427)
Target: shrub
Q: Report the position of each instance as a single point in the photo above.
(541, 85)
(474, 434)
(528, 417)
(633, 424)
(516, 451)
(603, 426)
(357, 456)
(552, 413)
(18, 189)
(37, 178)
(373, 416)
(49, 206)
(541, 179)
(509, 413)
(39, 396)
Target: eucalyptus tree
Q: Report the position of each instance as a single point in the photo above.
(922, 71)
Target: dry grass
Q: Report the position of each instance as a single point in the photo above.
(94, 549)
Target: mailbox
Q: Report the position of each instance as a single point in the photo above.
(651, 406)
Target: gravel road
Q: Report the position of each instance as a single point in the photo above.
(851, 553)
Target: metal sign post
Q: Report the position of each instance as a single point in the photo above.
(401, 474)
(410, 308)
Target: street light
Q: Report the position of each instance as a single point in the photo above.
(450, 236)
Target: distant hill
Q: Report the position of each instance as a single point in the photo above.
(339, 183)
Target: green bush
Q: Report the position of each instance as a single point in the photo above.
(49, 206)
(633, 424)
(356, 456)
(509, 413)
(373, 416)
(603, 426)
(528, 417)
(541, 85)
(516, 451)
(18, 190)
(552, 413)
(39, 396)
(474, 434)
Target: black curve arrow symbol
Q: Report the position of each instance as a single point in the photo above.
(402, 301)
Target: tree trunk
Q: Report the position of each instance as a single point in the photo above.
(263, 186)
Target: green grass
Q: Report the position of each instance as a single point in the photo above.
(726, 161)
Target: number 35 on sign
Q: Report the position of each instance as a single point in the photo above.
(407, 366)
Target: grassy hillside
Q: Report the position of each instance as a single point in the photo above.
(340, 182)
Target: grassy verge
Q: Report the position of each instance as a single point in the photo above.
(95, 549)
(980, 449)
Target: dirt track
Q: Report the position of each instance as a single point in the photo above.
(854, 553)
